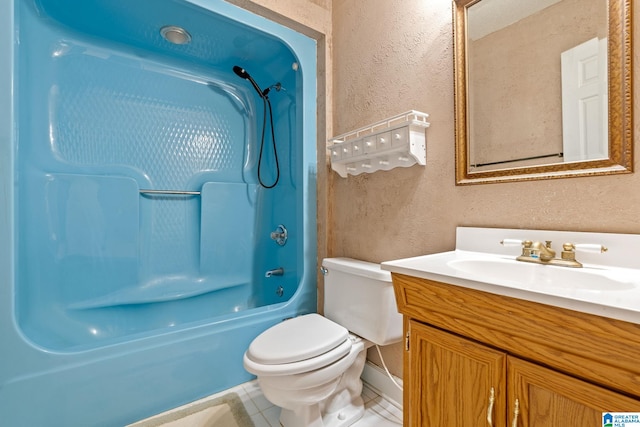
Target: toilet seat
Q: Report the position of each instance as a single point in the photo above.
(301, 344)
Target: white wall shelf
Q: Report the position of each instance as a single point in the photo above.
(398, 141)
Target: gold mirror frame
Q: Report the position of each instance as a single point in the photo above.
(620, 107)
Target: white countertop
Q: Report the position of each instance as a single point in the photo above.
(618, 303)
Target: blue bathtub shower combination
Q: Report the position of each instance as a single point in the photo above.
(135, 218)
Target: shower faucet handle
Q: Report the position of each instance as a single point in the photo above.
(280, 235)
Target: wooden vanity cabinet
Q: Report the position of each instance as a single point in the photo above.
(564, 368)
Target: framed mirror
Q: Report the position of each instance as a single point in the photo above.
(543, 89)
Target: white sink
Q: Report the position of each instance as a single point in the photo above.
(607, 285)
(545, 276)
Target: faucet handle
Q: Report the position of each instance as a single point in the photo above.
(511, 242)
(585, 247)
(524, 244)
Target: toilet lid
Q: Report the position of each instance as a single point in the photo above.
(297, 339)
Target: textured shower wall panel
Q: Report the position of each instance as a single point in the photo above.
(104, 124)
(168, 127)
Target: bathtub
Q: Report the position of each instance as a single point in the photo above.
(135, 233)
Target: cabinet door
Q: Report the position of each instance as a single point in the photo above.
(549, 399)
(450, 379)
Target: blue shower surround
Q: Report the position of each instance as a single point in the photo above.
(116, 304)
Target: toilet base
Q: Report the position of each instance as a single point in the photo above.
(345, 416)
(340, 409)
(310, 416)
(303, 416)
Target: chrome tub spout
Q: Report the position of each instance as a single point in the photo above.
(275, 272)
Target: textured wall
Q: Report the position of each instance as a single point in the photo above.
(303, 15)
(390, 56)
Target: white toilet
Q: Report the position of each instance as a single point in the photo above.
(310, 365)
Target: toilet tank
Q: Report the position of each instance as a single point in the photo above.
(359, 296)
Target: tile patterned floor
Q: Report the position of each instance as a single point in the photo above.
(379, 412)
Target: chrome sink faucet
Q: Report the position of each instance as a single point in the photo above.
(541, 253)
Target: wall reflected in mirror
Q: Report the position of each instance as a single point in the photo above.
(537, 77)
(517, 82)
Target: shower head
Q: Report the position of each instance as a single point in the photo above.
(242, 73)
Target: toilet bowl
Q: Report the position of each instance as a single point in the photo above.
(310, 365)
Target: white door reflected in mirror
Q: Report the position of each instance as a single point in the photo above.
(585, 130)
